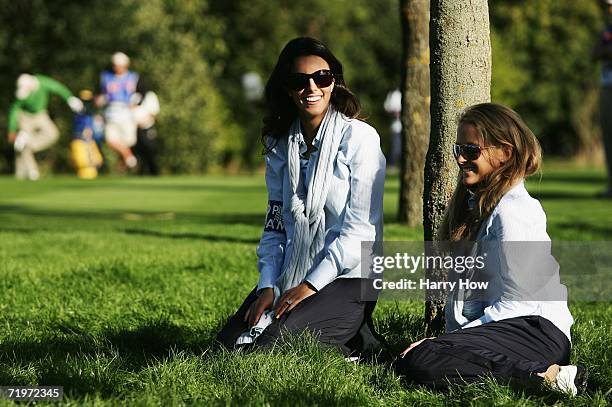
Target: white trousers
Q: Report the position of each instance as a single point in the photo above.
(42, 134)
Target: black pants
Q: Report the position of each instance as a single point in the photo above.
(511, 351)
(335, 315)
(146, 150)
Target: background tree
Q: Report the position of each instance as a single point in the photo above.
(415, 108)
(195, 52)
(543, 68)
(460, 76)
(260, 28)
(175, 45)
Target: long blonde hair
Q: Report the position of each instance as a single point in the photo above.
(497, 126)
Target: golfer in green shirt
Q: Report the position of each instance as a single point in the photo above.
(30, 128)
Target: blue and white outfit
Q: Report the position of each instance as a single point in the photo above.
(517, 247)
(118, 91)
(353, 209)
(522, 325)
(353, 212)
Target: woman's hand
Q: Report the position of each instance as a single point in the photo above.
(414, 345)
(293, 297)
(263, 302)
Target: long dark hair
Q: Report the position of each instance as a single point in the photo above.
(280, 109)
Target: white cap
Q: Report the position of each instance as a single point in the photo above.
(253, 86)
(393, 102)
(120, 59)
(26, 84)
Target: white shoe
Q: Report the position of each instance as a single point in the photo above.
(34, 175)
(566, 379)
(21, 141)
(131, 161)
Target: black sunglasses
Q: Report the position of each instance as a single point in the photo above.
(298, 81)
(470, 152)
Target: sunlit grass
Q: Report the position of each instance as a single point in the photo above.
(115, 288)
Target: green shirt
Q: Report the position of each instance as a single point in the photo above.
(37, 101)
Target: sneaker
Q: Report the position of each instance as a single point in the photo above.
(567, 379)
(131, 161)
(33, 175)
(21, 141)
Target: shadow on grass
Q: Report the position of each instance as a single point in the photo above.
(561, 195)
(400, 329)
(157, 340)
(86, 364)
(580, 227)
(577, 178)
(23, 231)
(295, 395)
(189, 236)
(104, 364)
(120, 215)
(155, 185)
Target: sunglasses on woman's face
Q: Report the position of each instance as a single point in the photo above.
(470, 152)
(298, 81)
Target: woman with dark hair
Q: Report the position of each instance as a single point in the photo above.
(325, 177)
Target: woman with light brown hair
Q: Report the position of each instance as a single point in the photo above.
(518, 328)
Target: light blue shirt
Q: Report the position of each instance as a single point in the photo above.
(524, 276)
(353, 209)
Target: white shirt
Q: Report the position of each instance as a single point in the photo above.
(525, 271)
(353, 209)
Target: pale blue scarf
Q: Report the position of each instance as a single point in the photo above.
(308, 211)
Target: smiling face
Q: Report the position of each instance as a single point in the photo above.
(311, 102)
(475, 171)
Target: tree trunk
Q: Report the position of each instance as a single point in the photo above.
(460, 76)
(415, 108)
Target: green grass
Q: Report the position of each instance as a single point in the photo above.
(115, 289)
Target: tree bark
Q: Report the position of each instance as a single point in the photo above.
(415, 108)
(460, 72)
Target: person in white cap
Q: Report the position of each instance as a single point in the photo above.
(393, 107)
(117, 89)
(30, 129)
(603, 52)
(145, 114)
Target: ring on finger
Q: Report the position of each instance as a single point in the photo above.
(289, 302)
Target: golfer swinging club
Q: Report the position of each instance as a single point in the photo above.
(30, 129)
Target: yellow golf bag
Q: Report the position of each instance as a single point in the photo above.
(86, 157)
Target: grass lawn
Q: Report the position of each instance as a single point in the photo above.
(115, 288)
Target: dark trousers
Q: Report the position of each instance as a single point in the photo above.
(146, 150)
(334, 315)
(511, 351)
(605, 117)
